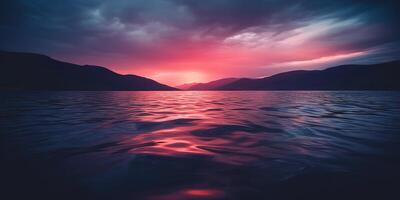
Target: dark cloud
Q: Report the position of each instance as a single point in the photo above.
(74, 20)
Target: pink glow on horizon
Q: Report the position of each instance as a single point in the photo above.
(237, 63)
(252, 52)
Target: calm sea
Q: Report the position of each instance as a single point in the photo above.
(200, 145)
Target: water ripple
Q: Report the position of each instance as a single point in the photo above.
(203, 145)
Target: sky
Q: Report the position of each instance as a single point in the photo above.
(184, 41)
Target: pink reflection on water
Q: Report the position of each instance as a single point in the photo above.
(235, 148)
(191, 193)
(168, 143)
(217, 125)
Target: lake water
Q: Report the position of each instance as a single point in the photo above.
(200, 145)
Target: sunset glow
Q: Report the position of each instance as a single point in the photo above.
(176, 42)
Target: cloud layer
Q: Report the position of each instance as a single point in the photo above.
(176, 41)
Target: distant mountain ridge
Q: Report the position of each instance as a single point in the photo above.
(383, 76)
(213, 85)
(186, 86)
(28, 71)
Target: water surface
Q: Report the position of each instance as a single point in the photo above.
(200, 145)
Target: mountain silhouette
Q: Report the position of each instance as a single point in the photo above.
(28, 71)
(383, 76)
(213, 85)
(186, 86)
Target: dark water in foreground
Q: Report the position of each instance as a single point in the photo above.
(200, 145)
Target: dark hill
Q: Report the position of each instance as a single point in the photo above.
(384, 76)
(27, 71)
(212, 85)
